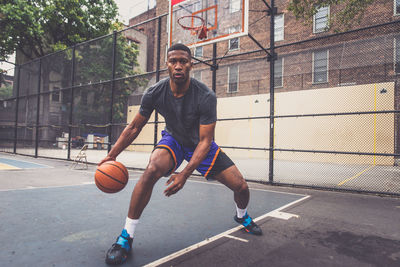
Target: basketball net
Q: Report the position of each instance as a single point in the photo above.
(200, 31)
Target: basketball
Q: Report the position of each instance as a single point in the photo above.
(111, 177)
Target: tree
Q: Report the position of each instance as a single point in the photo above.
(351, 12)
(95, 62)
(38, 27)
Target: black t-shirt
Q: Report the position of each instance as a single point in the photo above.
(182, 115)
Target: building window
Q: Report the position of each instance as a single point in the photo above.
(55, 95)
(196, 6)
(279, 27)
(233, 78)
(278, 73)
(198, 51)
(234, 42)
(234, 6)
(397, 54)
(197, 75)
(397, 7)
(321, 20)
(320, 66)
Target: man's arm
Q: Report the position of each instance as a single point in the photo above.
(206, 134)
(126, 138)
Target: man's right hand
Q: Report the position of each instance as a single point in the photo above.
(108, 158)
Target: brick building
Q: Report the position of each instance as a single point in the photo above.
(310, 56)
(300, 46)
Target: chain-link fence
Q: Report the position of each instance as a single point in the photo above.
(335, 107)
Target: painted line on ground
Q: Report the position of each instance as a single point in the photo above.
(28, 187)
(216, 237)
(7, 167)
(237, 238)
(256, 189)
(23, 164)
(355, 176)
(283, 215)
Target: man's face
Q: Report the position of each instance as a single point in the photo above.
(179, 65)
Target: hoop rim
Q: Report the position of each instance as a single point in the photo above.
(189, 27)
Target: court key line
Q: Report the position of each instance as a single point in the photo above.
(355, 176)
(216, 237)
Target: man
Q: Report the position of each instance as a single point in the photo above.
(189, 110)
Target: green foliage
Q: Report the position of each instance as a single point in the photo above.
(351, 11)
(38, 27)
(93, 62)
(6, 91)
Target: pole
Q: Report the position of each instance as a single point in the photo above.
(16, 109)
(71, 106)
(113, 67)
(157, 76)
(214, 68)
(38, 109)
(272, 89)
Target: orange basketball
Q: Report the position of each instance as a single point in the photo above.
(111, 176)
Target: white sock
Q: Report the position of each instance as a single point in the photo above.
(130, 225)
(240, 212)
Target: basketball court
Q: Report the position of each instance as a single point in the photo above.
(56, 216)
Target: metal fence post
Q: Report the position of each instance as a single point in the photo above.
(38, 108)
(272, 89)
(157, 75)
(214, 68)
(16, 109)
(72, 102)
(114, 53)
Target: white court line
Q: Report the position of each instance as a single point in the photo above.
(237, 238)
(257, 189)
(216, 237)
(47, 166)
(50, 187)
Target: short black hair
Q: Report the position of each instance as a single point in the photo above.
(180, 46)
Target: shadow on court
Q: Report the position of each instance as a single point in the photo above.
(55, 216)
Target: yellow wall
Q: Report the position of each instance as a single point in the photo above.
(354, 133)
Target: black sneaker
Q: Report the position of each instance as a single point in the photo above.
(120, 250)
(249, 225)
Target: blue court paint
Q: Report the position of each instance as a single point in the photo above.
(22, 164)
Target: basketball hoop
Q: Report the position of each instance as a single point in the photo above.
(201, 30)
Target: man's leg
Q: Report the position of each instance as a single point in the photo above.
(160, 164)
(233, 179)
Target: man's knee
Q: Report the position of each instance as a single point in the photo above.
(242, 187)
(152, 173)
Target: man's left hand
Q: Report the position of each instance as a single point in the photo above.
(178, 180)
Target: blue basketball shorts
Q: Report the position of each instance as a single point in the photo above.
(215, 162)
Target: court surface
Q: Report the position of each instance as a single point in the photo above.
(56, 216)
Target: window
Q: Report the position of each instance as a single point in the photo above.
(279, 27)
(196, 6)
(397, 7)
(55, 95)
(234, 42)
(321, 20)
(320, 66)
(197, 75)
(234, 6)
(198, 51)
(278, 73)
(397, 54)
(233, 78)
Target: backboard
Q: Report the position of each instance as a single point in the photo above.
(224, 19)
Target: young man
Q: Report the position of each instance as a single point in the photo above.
(189, 110)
